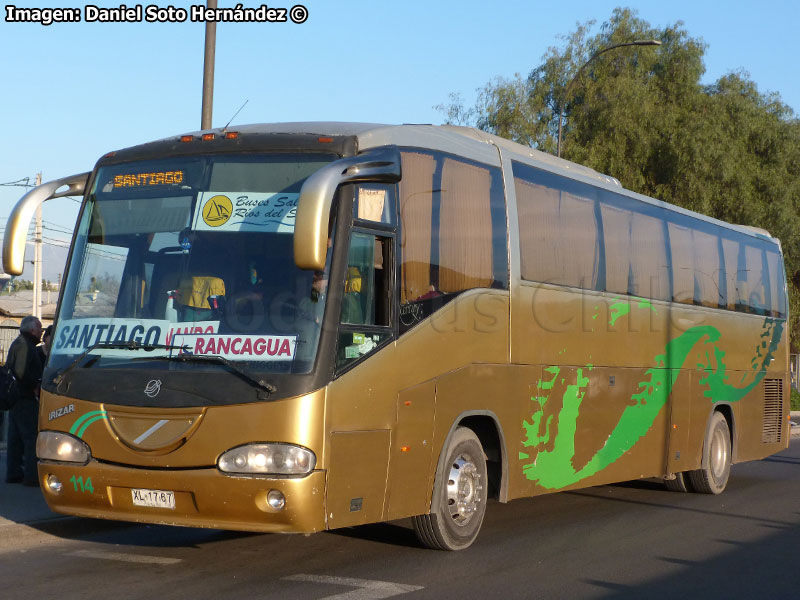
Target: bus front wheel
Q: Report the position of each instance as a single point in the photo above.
(713, 478)
(459, 496)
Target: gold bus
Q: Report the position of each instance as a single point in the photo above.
(301, 327)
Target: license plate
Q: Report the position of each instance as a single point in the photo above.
(153, 498)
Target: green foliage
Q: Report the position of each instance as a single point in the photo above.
(640, 114)
(795, 401)
(22, 284)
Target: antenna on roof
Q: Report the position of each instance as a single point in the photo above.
(234, 115)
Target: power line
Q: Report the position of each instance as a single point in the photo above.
(55, 224)
(18, 183)
(54, 244)
(56, 240)
(32, 238)
(56, 230)
(52, 226)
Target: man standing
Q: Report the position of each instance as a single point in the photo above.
(25, 362)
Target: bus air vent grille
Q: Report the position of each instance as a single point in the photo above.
(773, 411)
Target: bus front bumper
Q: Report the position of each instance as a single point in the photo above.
(202, 497)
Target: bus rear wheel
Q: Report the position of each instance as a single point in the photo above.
(679, 484)
(459, 496)
(713, 478)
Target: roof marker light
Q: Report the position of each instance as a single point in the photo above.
(187, 138)
(207, 137)
(325, 140)
(232, 135)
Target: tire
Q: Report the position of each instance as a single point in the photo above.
(679, 484)
(713, 478)
(459, 496)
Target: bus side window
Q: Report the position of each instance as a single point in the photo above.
(453, 232)
(374, 202)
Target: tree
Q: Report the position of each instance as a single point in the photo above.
(642, 115)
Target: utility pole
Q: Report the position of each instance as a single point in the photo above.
(208, 70)
(37, 258)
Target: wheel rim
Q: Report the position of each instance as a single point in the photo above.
(463, 490)
(719, 455)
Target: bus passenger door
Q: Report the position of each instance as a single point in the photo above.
(361, 398)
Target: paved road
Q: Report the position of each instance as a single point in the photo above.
(632, 540)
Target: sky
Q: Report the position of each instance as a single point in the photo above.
(71, 92)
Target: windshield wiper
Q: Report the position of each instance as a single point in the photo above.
(268, 387)
(133, 345)
(130, 345)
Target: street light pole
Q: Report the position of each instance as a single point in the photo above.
(578, 74)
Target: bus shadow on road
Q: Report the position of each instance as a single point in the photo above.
(789, 460)
(167, 536)
(396, 533)
(641, 484)
(764, 568)
(122, 533)
(669, 502)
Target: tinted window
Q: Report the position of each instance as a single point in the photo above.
(575, 234)
(453, 231)
(558, 231)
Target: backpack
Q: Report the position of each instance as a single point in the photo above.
(9, 390)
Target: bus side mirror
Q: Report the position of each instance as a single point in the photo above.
(381, 165)
(20, 218)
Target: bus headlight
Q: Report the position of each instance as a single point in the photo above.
(61, 447)
(268, 459)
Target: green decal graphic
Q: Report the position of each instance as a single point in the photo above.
(82, 423)
(623, 307)
(548, 385)
(716, 379)
(553, 468)
(534, 426)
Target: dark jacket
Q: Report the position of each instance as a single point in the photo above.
(25, 361)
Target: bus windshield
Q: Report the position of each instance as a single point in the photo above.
(192, 256)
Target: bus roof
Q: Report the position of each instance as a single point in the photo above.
(470, 143)
(448, 138)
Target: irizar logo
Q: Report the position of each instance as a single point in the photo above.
(61, 411)
(152, 388)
